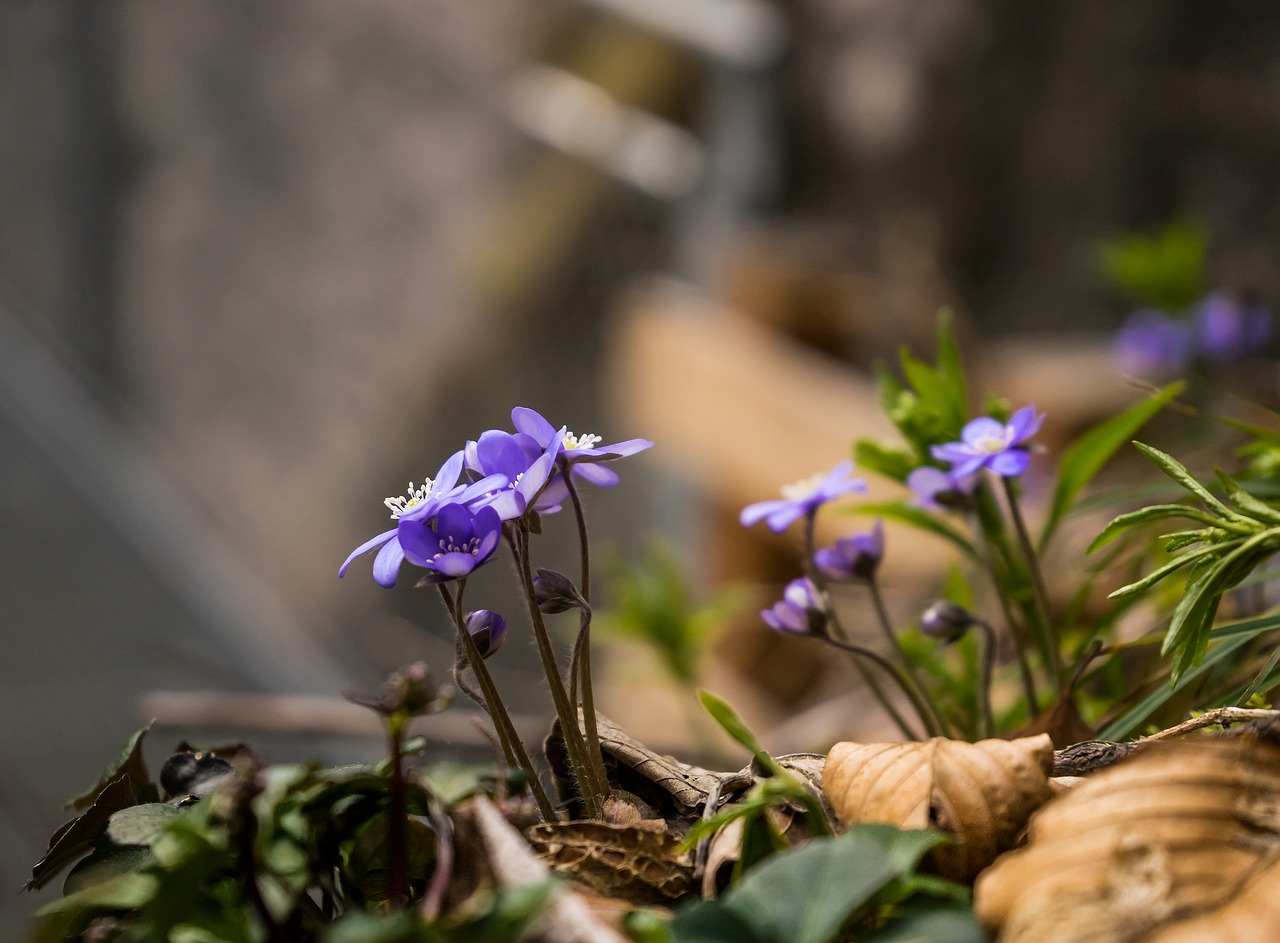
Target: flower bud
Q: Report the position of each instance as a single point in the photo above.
(487, 629)
(946, 621)
(556, 593)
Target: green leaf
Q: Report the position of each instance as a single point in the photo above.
(1265, 679)
(905, 847)
(1126, 723)
(928, 922)
(918, 518)
(732, 724)
(892, 462)
(1246, 502)
(72, 839)
(1086, 456)
(141, 824)
(1164, 269)
(1178, 472)
(108, 862)
(1145, 515)
(951, 365)
(1156, 575)
(805, 896)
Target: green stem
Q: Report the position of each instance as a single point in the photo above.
(892, 670)
(868, 677)
(513, 748)
(986, 726)
(1048, 638)
(581, 664)
(934, 721)
(565, 711)
(989, 528)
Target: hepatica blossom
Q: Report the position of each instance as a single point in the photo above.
(802, 498)
(857, 556)
(583, 453)
(452, 543)
(989, 443)
(1228, 330)
(417, 504)
(1150, 343)
(526, 468)
(800, 610)
(935, 488)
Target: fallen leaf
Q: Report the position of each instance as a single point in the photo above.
(1177, 844)
(981, 794)
(639, 863)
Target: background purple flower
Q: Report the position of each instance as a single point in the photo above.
(800, 610)
(583, 453)
(451, 544)
(417, 504)
(988, 443)
(1227, 330)
(1150, 343)
(803, 497)
(857, 556)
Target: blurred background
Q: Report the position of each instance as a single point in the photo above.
(263, 264)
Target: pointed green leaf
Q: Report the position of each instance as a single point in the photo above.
(1246, 502)
(1178, 472)
(1086, 456)
(951, 366)
(141, 824)
(892, 462)
(1145, 515)
(1156, 575)
(732, 724)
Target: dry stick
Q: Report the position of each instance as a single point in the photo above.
(583, 646)
(868, 678)
(1049, 639)
(512, 746)
(934, 721)
(567, 714)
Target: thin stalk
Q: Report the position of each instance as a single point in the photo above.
(397, 854)
(892, 670)
(565, 711)
(934, 721)
(512, 746)
(986, 726)
(987, 548)
(1049, 637)
(582, 647)
(868, 677)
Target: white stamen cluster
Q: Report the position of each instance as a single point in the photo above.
(411, 499)
(447, 545)
(588, 441)
(803, 488)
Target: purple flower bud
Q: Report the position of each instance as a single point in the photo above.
(947, 621)
(488, 629)
(801, 609)
(935, 488)
(855, 557)
(556, 593)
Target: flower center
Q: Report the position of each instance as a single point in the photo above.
(447, 545)
(411, 499)
(991, 444)
(587, 441)
(803, 488)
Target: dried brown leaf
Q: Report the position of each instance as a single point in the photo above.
(979, 793)
(640, 863)
(1177, 844)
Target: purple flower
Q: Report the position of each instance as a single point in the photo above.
(583, 453)
(417, 504)
(800, 610)
(935, 488)
(1150, 343)
(1227, 330)
(987, 443)
(855, 557)
(487, 628)
(526, 467)
(803, 497)
(451, 544)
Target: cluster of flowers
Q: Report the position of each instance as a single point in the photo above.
(452, 523)
(1220, 329)
(985, 443)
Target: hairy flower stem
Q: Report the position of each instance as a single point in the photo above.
(513, 749)
(397, 818)
(580, 666)
(868, 677)
(565, 710)
(1048, 636)
(935, 720)
(986, 726)
(987, 523)
(896, 674)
